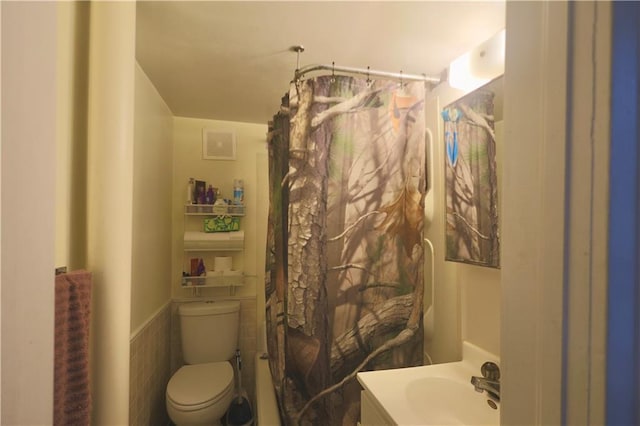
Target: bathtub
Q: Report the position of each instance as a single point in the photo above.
(267, 413)
(266, 405)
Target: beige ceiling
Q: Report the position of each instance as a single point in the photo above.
(231, 60)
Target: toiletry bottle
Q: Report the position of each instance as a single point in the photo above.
(194, 267)
(238, 191)
(190, 189)
(201, 270)
(202, 196)
(211, 198)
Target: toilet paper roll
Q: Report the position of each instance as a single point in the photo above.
(222, 263)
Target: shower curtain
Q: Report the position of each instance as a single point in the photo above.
(344, 279)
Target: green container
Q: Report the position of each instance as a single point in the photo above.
(221, 224)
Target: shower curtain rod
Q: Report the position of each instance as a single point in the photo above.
(299, 73)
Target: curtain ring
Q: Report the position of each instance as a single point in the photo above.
(401, 80)
(333, 72)
(369, 81)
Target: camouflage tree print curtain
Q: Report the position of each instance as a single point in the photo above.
(344, 281)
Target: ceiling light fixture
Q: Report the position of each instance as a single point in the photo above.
(480, 65)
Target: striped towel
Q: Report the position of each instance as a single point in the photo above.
(72, 397)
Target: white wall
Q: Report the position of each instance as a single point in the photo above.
(445, 344)
(535, 108)
(587, 261)
(85, 195)
(467, 299)
(152, 183)
(481, 287)
(188, 162)
(152, 188)
(71, 147)
(28, 210)
(110, 203)
(554, 275)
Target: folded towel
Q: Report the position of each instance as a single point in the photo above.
(72, 397)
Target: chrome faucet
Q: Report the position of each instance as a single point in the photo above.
(489, 382)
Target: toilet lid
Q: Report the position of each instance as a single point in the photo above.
(200, 383)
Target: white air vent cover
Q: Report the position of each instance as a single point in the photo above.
(218, 145)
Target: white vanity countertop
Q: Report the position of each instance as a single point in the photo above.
(431, 394)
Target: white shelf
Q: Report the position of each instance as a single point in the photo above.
(195, 241)
(213, 210)
(214, 241)
(222, 280)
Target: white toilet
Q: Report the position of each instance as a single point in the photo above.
(200, 392)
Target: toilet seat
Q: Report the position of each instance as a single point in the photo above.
(195, 387)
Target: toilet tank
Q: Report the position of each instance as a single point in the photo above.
(209, 331)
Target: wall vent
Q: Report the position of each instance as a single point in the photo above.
(218, 145)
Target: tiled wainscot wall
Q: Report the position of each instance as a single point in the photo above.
(150, 370)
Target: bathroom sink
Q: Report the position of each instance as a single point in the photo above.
(442, 401)
(440, 394)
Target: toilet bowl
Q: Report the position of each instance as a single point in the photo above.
(200, 394)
